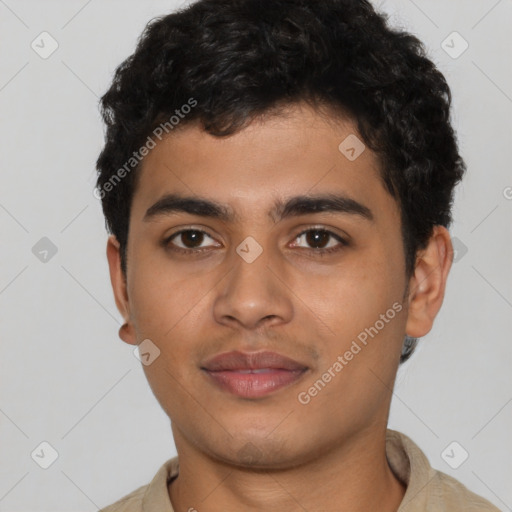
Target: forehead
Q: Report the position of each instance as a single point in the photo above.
(300, 152)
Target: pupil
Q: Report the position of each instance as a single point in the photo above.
(194, 236)
(314, 237)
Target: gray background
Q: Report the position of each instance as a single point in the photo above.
(66, 377)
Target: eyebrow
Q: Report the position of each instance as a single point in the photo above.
(292, 207)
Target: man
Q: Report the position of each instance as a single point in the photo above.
(277, 179)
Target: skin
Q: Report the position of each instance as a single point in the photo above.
(328, 454)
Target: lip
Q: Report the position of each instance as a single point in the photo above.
(253, 375)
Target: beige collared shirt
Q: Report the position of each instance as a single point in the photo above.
(428, 490)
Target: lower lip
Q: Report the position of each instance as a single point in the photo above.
(254, 385)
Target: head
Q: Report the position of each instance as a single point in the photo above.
(248, 106)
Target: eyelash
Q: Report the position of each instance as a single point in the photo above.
(320, 252)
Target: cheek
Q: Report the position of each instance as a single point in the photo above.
(363, 301)
(160, 298)
(352, 297)
(168, 309)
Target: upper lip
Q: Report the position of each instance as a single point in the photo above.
(237, 360)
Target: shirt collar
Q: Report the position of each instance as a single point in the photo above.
(411, 466)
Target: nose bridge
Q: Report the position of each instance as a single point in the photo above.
(253, 290)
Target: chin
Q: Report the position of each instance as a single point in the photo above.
(262, 452)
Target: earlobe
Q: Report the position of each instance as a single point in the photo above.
(428, 282)
(126, 333)
(118, 281)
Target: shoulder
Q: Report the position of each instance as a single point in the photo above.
(153, 496)
(454, 495)
(130, 503)
(428, 489)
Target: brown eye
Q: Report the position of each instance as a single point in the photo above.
(319, 240)
(188, 240)
(191, 238)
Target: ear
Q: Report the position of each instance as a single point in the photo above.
(118, 281)
(428, 282)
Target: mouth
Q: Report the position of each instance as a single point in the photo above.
(253, 375)
(254, 383)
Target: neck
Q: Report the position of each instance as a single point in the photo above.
(353, 476)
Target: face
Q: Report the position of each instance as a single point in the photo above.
(309, 279)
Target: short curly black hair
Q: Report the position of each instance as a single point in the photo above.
(235, 60)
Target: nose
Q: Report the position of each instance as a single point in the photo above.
(254, 295)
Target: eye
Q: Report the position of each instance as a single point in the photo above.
(191, 240)
(320, 237)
